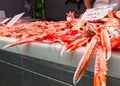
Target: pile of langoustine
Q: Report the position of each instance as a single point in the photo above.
(99, 37)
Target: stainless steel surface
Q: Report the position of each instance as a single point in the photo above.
(51, 52)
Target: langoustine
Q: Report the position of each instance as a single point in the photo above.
(106, 38)
(97, 37)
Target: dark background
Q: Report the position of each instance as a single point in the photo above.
(56, 9)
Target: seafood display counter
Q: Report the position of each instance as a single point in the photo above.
(40, 64)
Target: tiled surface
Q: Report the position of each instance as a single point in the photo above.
(19, 70)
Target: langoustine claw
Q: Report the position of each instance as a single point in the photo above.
(85, 60)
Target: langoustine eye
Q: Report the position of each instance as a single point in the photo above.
(85, 24)
(81, 28)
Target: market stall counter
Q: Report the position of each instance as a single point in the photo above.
(41, 64)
